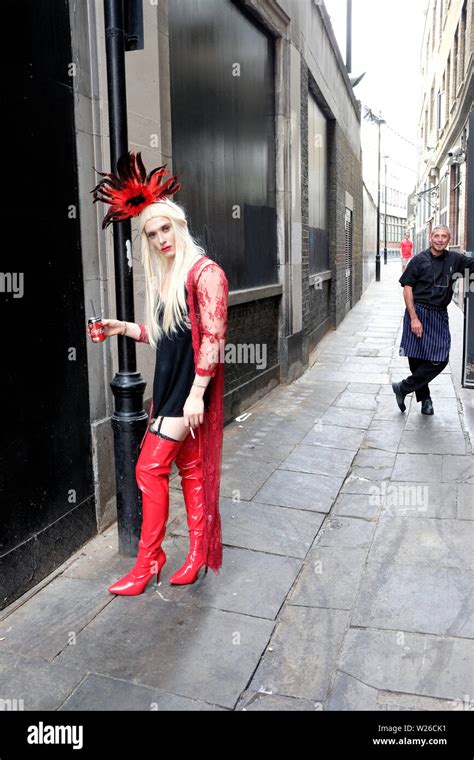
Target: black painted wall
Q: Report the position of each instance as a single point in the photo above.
(223, 135)
(223, 132)
(48, 508)
(315, 243)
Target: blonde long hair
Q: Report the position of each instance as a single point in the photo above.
(186, 252)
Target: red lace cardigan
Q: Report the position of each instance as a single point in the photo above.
(207, 290)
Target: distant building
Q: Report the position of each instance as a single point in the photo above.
(396, 182)
(395, 216)
(445, 121)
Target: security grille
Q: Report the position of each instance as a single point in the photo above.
(348, 259)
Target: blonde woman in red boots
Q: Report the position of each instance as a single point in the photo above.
(186, 322)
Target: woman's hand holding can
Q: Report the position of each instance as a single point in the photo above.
(100, 329)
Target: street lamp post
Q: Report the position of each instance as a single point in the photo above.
(379, 121)
(377, 257)
(129, 418)
(385, 215)
(349, 36)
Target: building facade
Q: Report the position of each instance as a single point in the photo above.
(394, 201)
(250, 104)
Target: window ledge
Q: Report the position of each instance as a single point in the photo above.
(254, 294)
(318, 277)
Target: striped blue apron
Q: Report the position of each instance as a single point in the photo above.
(435, 342)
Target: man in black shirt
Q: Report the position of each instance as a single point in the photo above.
(428, 283)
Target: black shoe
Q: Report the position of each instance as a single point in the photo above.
(427, 406)
(399, 396)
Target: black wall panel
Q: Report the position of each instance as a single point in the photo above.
(46, 482)
(224, 136)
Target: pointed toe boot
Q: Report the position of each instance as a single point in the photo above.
(152, 473)
(189, 464)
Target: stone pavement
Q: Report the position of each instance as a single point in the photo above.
(348, 559)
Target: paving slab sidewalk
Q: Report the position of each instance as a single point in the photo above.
(348, 562)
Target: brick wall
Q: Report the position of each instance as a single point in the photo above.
(316, 301)
(253, 323)
(344, 176)
(324, 307)
(319, 303)
(306, 299)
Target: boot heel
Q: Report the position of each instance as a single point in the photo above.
(187, 574)
(160, 563)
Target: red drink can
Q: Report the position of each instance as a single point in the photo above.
(96, 329)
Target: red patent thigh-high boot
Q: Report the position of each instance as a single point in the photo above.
(189, 464)
(152, 473)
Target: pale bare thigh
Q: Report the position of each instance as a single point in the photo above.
(173, 427)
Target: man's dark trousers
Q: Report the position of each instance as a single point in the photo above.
(423, 372)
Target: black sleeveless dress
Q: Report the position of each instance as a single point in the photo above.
(174, 371)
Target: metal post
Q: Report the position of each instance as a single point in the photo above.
(468, 342)
(385, 216)
(470, 184)
(349, 37)
(129, 418)
(379, 121)
(377, 256)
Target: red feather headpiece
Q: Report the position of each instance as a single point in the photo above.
(131, 189)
